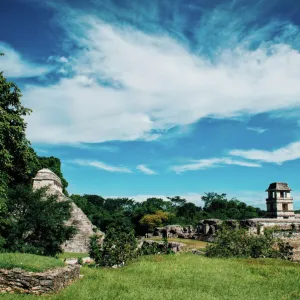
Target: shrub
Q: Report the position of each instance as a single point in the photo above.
(149, 249)
(156, 248)
(36, 222)
(237, 242)
(119, 247)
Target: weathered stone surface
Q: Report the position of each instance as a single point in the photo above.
(52, 281)
(85, 229)
(173, 231)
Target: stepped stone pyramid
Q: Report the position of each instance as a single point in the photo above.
(85, 229)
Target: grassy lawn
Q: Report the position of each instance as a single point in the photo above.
(28, 262)
(190, 244)
(187, 277)
(72, 255)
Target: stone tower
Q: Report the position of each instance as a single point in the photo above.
(46, 177)
(279, 201)
(80, 242)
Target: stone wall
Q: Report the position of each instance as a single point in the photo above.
(52, 281)
(175, 231)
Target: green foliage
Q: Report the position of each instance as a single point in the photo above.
(237, 242)
(219, 207)
(36, 222)
(142, 216)
(28, 262)
(156, 247)
(18, 159)
(149, 249)
(106, 212)
(95, 249)
(119, 247)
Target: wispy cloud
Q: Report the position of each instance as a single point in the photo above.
(278, 156)
(97, 147)
(146, 170)
(224, 74)
(102, 166)
(257, 129)
(14, 65)
(211, 163)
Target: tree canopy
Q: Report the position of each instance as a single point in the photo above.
(18, 159)
(36, 222)
(153, 212)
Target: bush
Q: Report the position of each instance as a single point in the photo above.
(155, 247)
(119, 247)
(36, 222)
(237, 242)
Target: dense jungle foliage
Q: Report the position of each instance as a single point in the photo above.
(144, 216)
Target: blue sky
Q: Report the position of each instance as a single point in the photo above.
(159, 98)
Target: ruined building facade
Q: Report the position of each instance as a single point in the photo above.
(279, 201)
(85, 229)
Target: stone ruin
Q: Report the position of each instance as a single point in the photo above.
(49, 282)
(85, 229)
(280, 214)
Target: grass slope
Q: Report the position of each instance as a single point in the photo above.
(186, 277)
(28, 262)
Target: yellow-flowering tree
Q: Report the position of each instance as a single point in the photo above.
(151, 221)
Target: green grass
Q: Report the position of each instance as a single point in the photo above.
(185, 277)
(190, 244)
(72, 255)
(28, 262)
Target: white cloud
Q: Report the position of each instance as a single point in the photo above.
(63, 59)
(278, 156)
(15, 66)
(146, 170)
(102, 166)
(127, 83)
(257, 129)
(210, 163)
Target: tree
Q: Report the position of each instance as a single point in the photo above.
(18, 160)
(119, 247)
(177, 200)
(154, 220)
(36, 222)
(218, 206)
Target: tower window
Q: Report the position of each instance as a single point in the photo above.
(284, 207)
